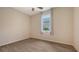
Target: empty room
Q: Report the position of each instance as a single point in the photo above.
(39, 29)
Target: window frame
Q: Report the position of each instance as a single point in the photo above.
(46, 14)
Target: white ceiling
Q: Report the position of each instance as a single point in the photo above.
(28, 10)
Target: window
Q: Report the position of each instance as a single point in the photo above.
(46, 21)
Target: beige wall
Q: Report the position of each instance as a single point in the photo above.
(62, 26)
(14, 26)
(76, 28)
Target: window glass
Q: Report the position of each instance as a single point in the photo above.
(46, 21)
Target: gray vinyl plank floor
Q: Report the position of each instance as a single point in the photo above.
(36, 45)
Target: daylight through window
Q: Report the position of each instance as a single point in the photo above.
(46, 21)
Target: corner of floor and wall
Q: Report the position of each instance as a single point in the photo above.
(16, 26)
